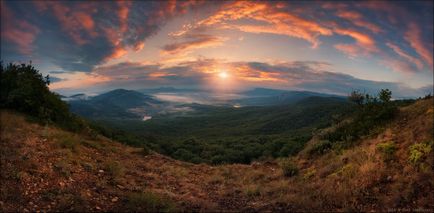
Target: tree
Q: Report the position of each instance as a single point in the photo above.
(24, 89)
(356, 97)
(385, 95)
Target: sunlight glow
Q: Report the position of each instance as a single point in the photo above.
(223, 74)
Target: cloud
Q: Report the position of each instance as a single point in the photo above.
(294, 75)
(76, 35)
(74, 80)
(19, 32)
(357, 19)
(194, 41)
(414, 38)
(364, 42)
(272, 20)
(418, 63)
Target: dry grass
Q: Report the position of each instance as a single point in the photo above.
(67, 173)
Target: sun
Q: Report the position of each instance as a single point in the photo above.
(223, 74)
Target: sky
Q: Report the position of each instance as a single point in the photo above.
(224, 46)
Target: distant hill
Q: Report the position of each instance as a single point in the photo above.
(267, 97)
(119, 103)
(167, 90)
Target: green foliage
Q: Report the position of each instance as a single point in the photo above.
(24, 89)
(385, 95)
(357, 97)
(387, 149)
(373, 112)
(419, 152)
(320, 147)
(69, 142)
(289, 168)
(149, 202)
(219, 135)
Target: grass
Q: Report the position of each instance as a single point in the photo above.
(252, 191)
(114, 168)
(63, 168)
(149, 202)
(289, 168)
(387, 150)
(419, 151)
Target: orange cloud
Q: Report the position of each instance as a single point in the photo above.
(160, 74)
(79, 80)
(73, 21)
(413, 37)
(124, 9)
(247, 73)
(275, 21)
(364, 43)
(117, 53)
(357, 19)
(350, 49)
(198, 41)
(403, 54)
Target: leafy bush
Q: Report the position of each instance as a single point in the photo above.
(149, 202)
(289, 168)
(387, 149)
(24, 89)
(69, 142)
(419, 152)
(320, 147)
(372, 112)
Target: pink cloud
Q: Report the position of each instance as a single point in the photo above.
(17, 31)
(357, 19)
(413, 37)
(403, 54)
(275, 21)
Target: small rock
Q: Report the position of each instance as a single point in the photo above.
(389, 178)
(97, 207)
(61, 184)
(101, 171)
(115, 199)
(120, 187)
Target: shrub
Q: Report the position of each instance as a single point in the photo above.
(114, 168)
(372, 112)
(387, 149)
(289, 168)
(320, 147)
(69, 142)
(149, 202)
(309, 174)
(419, 151)
(145, 150)
(24, 89)
(252, 191)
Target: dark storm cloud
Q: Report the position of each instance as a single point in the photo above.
(77, 35)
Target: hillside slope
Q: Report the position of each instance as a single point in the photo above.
(50, 169)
